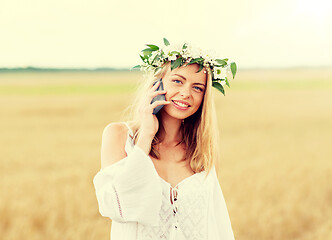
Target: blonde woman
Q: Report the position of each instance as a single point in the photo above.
(158, 175)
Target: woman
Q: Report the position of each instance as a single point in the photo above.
(158, 177)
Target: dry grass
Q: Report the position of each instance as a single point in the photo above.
(276, 157)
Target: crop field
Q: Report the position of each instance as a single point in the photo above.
(276, 163)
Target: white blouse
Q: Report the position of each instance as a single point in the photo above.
(143, 206)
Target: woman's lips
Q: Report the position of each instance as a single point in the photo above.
(179, 107)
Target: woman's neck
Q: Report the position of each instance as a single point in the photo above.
(171, 134)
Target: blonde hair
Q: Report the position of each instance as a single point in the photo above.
(200, 130)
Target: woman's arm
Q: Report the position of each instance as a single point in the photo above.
(127, 187)
(113, 144)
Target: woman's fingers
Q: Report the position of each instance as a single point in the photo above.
(156, 93)
(154, 87)
(158, 103)
(151, 95)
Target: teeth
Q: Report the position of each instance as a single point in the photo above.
(181, 104)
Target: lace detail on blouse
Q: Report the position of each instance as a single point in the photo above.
(192, 209)
(117, 199)
(187, 219)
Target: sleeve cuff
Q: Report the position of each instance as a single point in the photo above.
(137, 186)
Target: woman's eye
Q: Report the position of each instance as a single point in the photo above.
(177, 81)
(199, 89)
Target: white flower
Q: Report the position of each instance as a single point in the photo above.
(185, 53)
(207, 58)
(222, 83)
(172, 57)
(211, 53)
(193, 52)
(159, 63)
(219, 73)
(172, 47)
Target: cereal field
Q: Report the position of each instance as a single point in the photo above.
(276, 168)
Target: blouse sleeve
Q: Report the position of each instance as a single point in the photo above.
(219, 214)
(130, 190)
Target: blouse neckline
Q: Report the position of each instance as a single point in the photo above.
(130, 132)
(179, 183)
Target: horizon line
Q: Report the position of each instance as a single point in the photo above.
(106, 69)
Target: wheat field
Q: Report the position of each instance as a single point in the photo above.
(276, 168)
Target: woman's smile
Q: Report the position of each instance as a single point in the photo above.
(180, 105)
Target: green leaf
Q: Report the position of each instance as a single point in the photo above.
(157, 57)
(227, 83)
(147, 51)
(175, 52)
(233, 69)
(143, 57)
(166, 42)
(200, 68)
(135, 67)
(221, 61)
(225, 59)
(218, 86)
(156, 69)
(184, 46)
(176, 63)
(195, 60)
(153, 47)
(182, 62)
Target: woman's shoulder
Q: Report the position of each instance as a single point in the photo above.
(116, 130)
(113, 143)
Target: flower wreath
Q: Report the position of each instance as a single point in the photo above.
(154, 57)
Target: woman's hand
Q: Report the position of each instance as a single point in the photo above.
(150, 124)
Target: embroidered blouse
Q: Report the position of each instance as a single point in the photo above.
(143, 206)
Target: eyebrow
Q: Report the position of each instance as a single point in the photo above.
(180, 76)
(186, 79)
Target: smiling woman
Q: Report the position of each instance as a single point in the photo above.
(185, 89)
(158, 178)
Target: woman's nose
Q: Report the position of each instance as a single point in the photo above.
(185, 92)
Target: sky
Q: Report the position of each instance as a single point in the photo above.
(107, 33)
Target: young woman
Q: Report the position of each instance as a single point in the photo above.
(158, 176)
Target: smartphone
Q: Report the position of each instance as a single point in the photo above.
(160, 97)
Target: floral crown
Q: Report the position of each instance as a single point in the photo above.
(154, 57)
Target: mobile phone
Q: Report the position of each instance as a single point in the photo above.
(160, 97)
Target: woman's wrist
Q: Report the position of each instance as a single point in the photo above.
(144, 142)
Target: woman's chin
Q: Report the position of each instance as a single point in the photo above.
(175, 113)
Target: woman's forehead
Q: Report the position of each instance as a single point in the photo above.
(188, 73)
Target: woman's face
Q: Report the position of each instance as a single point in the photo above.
(185, 89)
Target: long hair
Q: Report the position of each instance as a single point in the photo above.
(200, 130)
